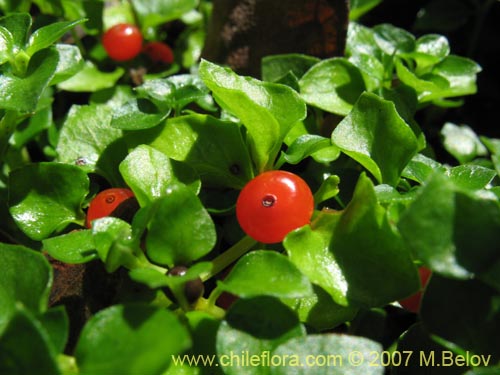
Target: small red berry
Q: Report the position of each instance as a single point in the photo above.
(273, 204)
(122, 42)
(106, 202)
(159, 52)
(412, 303)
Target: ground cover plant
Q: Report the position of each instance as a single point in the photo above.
(162, 214)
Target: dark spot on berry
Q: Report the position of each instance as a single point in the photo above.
(269, 200)
(110, 199)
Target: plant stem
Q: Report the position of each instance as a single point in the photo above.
(229, 256)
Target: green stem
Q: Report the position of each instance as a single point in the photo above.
(7, 127)
(229, 256)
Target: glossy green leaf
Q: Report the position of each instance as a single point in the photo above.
(138, 114)
(267, 110)
(154, 13)
(154, 278)
(479, 313)
(70, 62)
(23, 93)
(214, 148)
(452, 231)
(328, 354)
(461, 74)
(73, 248)
(26, 277)
(393, 40)
(253, 327)
(332, 253)
(115, 245)
(462, 142)
(91, 79)
(264, 272)
(365, 132)
(149, 173)
(361, 40)
(473, 177)
(275, 67)
(371, 69)
(56, 201)
(359, 7)
(47, 35)
(26, 346)
(333, 85)
(181, 229)
(328, 189)
(130, 339)
(430, 49)
(87, 139)
(6, 45)
(421, 167)
(18, 25)
(320, 311)
(304, 146)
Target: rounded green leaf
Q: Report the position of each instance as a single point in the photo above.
(26, 277)
(74, 247)
(149, 173)
(181, 230)
(46, 197)
(393, 40)
(333, 85)
(253, 327)
(130, 340)
(264, 272)
(328, 355)
(138, 114)
(91, 79)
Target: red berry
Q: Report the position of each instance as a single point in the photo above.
(412, 303)
(273, 204)
(159, 52)
(122, 42)
(106, 202)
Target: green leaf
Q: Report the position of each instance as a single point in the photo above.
(25, 346)
(53, 204)
(130, 339)
(181, 229)
(361, 40)
(26, 277)
(214, 148)
(55, 322)
(328, 189)
(393, 40)
(275, 67)
(333, 85)
(479, 313)
(264, 272)
(87, 139)
(138, 114)
(115, 245)
(472, 177)
(23, 93)
(421, 167)
(267, 110)
(18, 25)
(305, 146)
(359, 7)
(253, 327)
(73, 248)
(47, 35)
(328, 354)
(6, 45)
(461, 74)
(320, 311)
(156, 279)
(371, 69)
(70, 62)
(149, 173)
(91, 79)
(361, 237)
(453, 232)
(154, 13)
(430, 50)
(365, 133)
(462, 142)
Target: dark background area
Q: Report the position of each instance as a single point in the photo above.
(473, 30)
